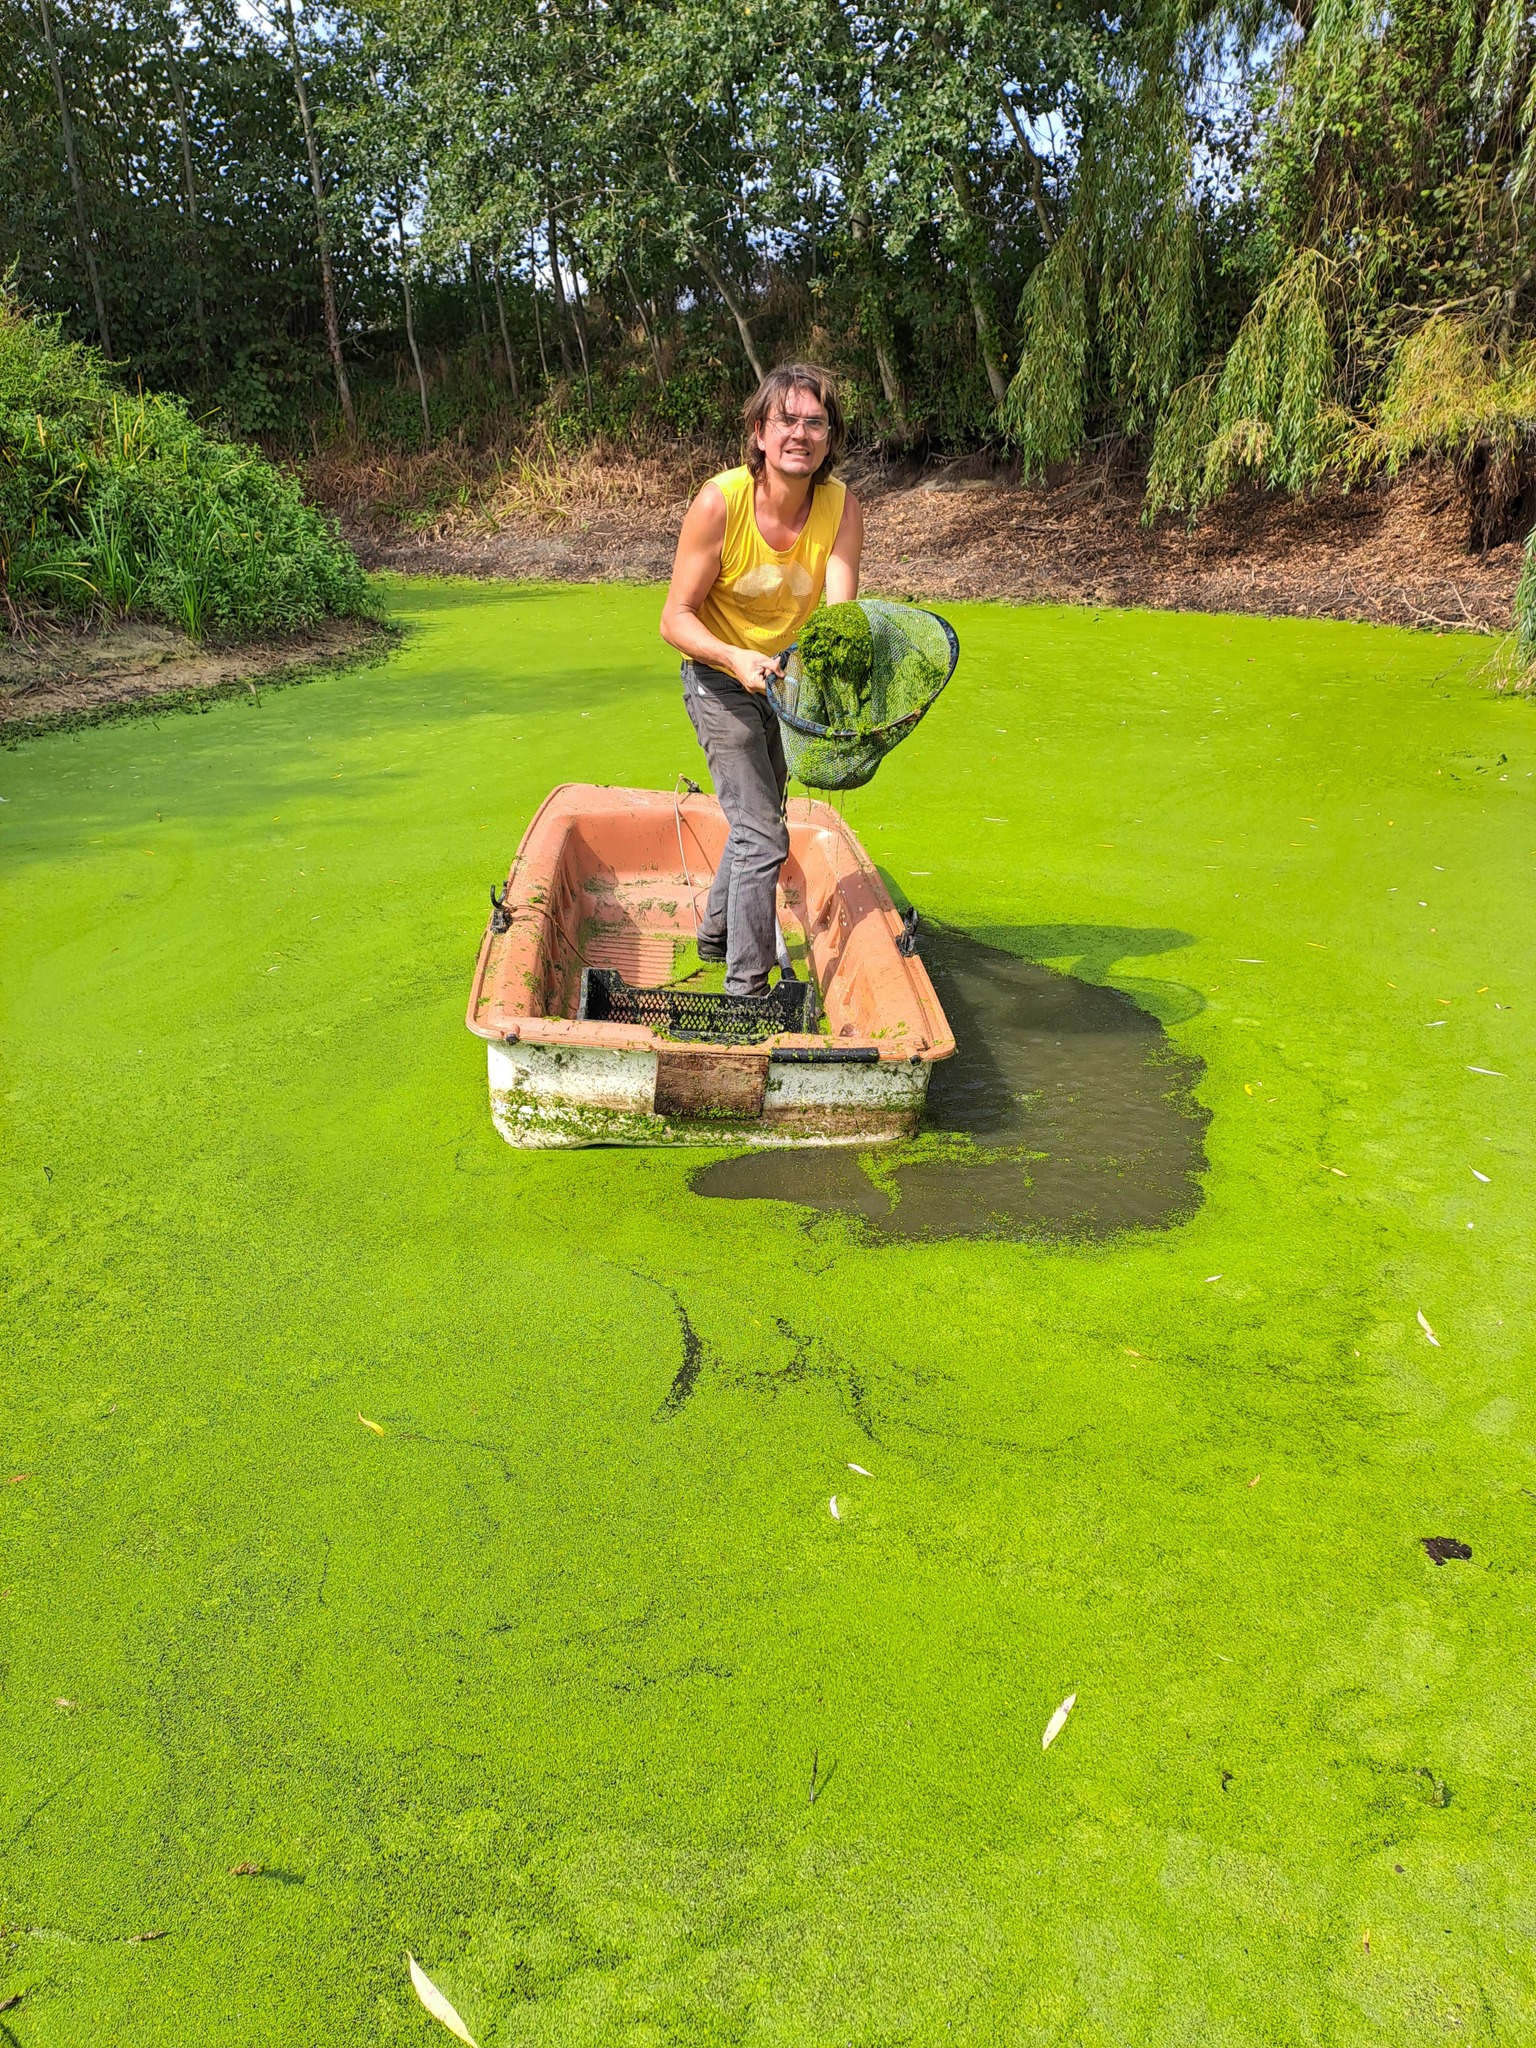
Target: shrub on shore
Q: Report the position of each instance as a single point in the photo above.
(113, 502)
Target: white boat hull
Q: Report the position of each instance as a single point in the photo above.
(546, 1097)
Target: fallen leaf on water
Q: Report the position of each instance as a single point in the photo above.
(832, 1504)
(1058, 1720)
(376, 1427)
(861, 1472)
(1480, 1176)
(436, 2004)
(1424, 1326)
(245, 1870)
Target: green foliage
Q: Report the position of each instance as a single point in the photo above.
(120, 503)
(1269, 413)
(1110, 314)
(1207, 227)
(1047, 400)
(1525, 615)
(1450, 391)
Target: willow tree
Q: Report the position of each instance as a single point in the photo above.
(1385, 307)
(1109, 321)
(1393, 185)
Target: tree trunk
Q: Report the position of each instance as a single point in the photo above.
(77, 184)
(474, 278)
(578, 305)
(890, 383)
(322, 230)
(194, 236)
(410, 329)
(650, 331)
(997, 382)
(875, 321)
(557, 286)
(980, 311)
(1036, 177)
(712, 271)
(533, 279)
(506, 339)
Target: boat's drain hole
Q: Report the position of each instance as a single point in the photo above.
(1066, 1112)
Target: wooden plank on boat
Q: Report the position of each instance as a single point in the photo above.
(699, 1083)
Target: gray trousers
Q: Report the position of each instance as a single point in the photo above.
(740, 738)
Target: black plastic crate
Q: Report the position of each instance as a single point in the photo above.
(607, 998)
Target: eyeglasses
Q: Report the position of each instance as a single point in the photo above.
(816, 424)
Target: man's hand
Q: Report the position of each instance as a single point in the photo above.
(754, 672)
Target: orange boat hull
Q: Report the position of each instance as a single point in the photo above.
(609, 878)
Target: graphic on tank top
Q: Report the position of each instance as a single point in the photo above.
(767, 579)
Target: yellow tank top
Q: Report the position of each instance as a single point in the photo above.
(764, 595)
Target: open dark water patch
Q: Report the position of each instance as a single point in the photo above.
(1066, 1111)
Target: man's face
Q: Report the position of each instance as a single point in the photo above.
(794, 436)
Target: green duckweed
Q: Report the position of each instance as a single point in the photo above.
(837, 653)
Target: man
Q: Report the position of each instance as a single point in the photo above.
(758, 547)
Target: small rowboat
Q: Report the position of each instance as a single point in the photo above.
(586, 1042)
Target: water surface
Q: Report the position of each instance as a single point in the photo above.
(1067, 1110)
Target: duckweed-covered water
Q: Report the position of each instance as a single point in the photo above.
(532, 1684)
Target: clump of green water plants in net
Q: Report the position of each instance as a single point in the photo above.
(912, 686)
(837, 653)
(115, 503)
(859, 680)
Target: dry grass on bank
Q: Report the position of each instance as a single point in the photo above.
(452, 492)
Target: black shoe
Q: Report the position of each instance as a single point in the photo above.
(712, 950)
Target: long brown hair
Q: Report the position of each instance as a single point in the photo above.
(774, 389)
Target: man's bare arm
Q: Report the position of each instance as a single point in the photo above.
(695, 570)
(847, 552)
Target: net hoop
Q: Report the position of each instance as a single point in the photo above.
(898, 726)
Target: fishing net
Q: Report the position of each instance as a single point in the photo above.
(858, 680)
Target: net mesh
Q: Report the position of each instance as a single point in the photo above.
(862, 676)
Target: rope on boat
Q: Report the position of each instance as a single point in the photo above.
(679, 797)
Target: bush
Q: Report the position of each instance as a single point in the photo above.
(112, 503)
